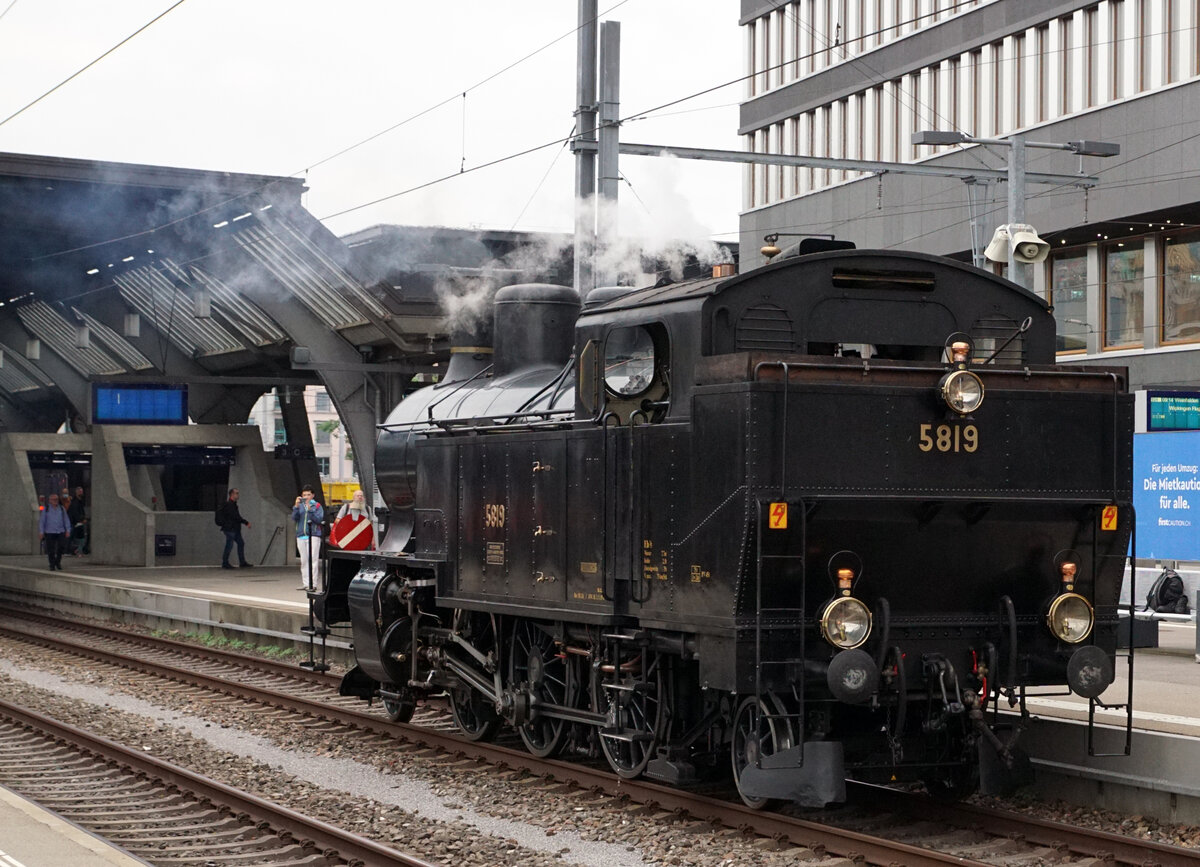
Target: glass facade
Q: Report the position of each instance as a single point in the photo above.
(1181, 289)
(1124, 294)
(1068, 296)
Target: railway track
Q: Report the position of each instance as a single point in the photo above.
(890, 827)
(163, 813)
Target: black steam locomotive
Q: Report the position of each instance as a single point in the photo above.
(808, 522)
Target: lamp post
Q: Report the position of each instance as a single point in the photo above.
(1016, 144)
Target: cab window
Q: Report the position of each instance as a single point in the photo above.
(629, 361)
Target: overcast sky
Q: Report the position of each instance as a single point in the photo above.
(278, 86)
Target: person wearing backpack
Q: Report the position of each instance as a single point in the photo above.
(230, 520)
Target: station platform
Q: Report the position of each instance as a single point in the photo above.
(268, 602)
(263, 605)
(33, 837)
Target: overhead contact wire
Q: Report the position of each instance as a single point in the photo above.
(84, 69)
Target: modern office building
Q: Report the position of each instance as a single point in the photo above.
(856, 78)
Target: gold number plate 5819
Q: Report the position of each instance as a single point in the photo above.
(948, 438)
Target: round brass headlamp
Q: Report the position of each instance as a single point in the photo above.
(846, 622)
(1070, 618)
(962, 391)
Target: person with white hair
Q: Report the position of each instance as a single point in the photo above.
(354, 529)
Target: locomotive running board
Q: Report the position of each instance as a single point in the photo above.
(812, 778)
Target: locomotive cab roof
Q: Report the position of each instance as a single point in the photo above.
(888, 305)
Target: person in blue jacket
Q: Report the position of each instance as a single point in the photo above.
(308, 515)
(54, 525)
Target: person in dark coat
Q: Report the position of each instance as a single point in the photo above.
(230, 520)
(78, 515)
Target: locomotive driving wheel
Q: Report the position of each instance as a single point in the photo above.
(759, 730)
(630, 688)
(475, 715)
(540, 668)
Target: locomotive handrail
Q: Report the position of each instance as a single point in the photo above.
(604, 420)
(1023, 372)
(1021, 329)
(462, 384)
(446, 423)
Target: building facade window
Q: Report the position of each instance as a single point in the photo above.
(1181, 289)
(322, 438)
(323, 466)
(1124, 295)
(322, 402)
(280, 432)
(1064, 64)
(1068, 296)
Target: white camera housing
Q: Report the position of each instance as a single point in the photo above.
(1024, 242)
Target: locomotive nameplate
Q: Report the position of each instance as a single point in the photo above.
(948, 438)
(495, 553)
(589, 568)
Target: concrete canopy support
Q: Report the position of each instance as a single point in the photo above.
(16, 416)
(355, 395)
(294, 412)
(124, 527)
(19, 507)
(72, 384)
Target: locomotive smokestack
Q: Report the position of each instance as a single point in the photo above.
(470, 351)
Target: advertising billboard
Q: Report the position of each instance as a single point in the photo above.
(1166, 495)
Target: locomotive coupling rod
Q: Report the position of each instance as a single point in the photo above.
(487, 663)
(480, 684)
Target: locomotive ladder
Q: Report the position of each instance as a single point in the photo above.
(780, 619)
(769, 620)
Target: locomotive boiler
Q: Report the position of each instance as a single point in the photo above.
(813, 521)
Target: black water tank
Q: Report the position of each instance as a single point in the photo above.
(535, 325)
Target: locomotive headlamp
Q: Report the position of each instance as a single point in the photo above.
(1070, 618)
(845, 580)
(846, 622)
(962, 390)
(1068, 575)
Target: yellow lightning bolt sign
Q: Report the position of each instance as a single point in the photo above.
(778, 517)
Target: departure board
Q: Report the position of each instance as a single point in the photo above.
(139, 403)
(1172, 410)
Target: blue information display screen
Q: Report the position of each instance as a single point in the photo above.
(1172, 410)
(136, 403)
(1166, 495)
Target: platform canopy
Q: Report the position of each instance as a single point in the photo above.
(118, 272)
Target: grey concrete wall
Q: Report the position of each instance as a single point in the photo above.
(125, 520)
(19, 505)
